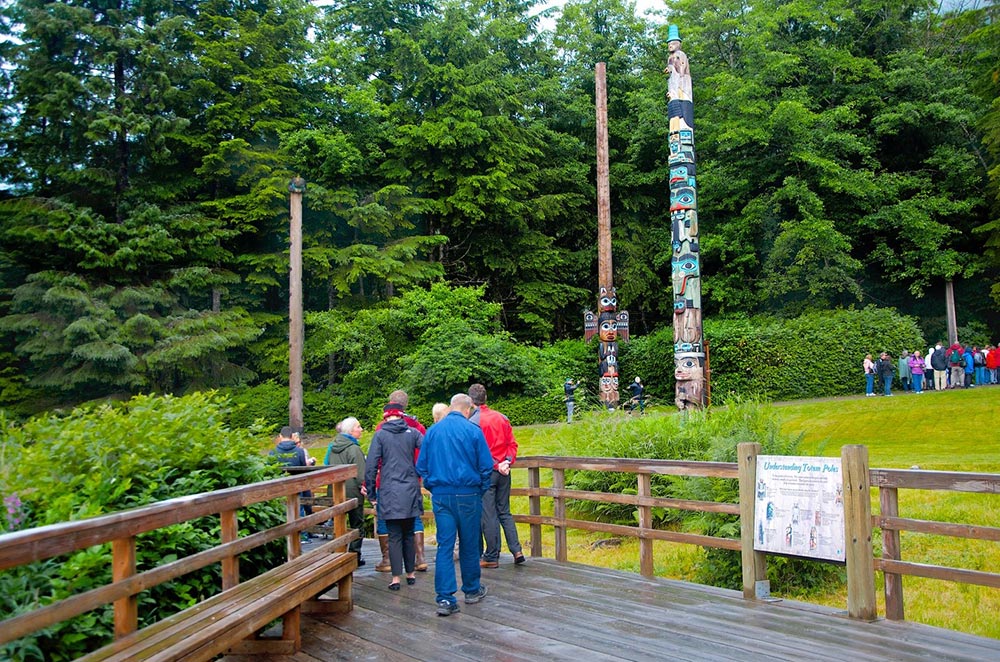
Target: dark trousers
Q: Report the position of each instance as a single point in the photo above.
(496, 514)
(356, 520)
(402, 549)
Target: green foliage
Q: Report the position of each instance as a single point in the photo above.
(113, 457)
(698, 436)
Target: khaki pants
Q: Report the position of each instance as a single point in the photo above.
(940, 380)
(957, 376)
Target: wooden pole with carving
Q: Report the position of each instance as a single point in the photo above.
(609, 323)
(295, 325)
(689, 349)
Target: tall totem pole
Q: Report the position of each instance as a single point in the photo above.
(689, 346)
(609, 323)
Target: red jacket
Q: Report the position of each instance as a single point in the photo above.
(993, 358)
(499, 435)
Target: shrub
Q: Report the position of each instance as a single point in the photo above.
(108, 458)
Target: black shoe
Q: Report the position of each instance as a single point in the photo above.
(361, 561)
(446, 608)
(394, 587)
(519, 559)
(410, 581)
(473, 598)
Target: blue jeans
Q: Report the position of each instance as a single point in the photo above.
(869, 384)
(887, 384)
(457, 514)
(496, 514)
(569, 411)
(918, 382)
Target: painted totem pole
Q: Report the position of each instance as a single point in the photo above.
(689, 349)
(609, 323)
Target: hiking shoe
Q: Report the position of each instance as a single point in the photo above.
(519, 559)
(473, 598)
(489, 564)
(446, 608)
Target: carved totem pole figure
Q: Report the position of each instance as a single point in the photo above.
(689, 349)
(610, 323)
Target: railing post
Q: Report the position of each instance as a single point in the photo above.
(122, 567)
(340, 521)
(754, 562)
(645, 524)
(559, 512)
(535, 509)
(231, 564)
(293, 542)
(889, 507)
(858, 534)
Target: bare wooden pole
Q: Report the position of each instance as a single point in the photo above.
(949, 306)
(295, 326)
(604, 268)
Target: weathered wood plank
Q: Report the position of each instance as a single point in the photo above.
(921, 479)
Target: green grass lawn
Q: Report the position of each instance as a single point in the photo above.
(946, 431)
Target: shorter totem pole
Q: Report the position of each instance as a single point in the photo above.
(689, 347)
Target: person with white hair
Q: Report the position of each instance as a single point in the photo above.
(346, 449)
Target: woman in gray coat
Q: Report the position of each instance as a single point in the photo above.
(393, 451)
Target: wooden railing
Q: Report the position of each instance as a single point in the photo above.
(120, 529)
(859, 522)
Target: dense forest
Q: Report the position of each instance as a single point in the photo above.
(848, 156)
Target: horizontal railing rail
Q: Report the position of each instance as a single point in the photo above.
(120, 529)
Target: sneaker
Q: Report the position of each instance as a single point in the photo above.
(473, 598)
(446, 608)
(519, 559)
(489, 564)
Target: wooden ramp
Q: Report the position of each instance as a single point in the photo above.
(545, 610)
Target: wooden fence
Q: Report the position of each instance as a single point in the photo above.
(121, 529)
(859, 480)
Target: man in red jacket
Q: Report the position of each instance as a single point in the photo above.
(496, 502)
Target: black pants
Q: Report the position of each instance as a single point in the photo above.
(356, 520)
(402, 549)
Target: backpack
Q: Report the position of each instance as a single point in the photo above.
(955, 357)
(978, 360)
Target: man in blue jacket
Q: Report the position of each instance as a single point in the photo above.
(456, 466)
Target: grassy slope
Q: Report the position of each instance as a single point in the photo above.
(947, 431)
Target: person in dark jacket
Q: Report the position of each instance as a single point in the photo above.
(569, 388)
(456, 466)
(397, 496)
(939, 362)
(885, 370)
(346, 449)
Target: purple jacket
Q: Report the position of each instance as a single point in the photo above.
(916, 365)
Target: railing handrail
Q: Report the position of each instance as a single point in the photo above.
(21, 547)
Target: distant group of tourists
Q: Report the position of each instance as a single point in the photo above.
(954, 366)
(463, 459)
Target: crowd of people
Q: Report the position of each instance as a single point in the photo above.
(954, 366)
(463, 459)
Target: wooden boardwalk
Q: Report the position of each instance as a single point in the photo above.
(546, 610)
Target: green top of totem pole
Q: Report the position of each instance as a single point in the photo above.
(673, 34)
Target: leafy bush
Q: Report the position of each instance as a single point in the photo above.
(113, 457)
(699, 436)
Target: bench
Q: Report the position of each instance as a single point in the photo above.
(228, 622)
(224, 622)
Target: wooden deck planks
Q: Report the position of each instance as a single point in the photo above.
(563, 611)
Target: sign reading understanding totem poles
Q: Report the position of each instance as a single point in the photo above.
(689, 347)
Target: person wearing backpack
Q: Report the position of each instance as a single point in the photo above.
(885, 370)
(956, 366)
(979, 364)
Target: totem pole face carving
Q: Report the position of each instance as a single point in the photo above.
(608, 300)
(607, 328)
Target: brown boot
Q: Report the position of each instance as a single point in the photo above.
(420, 564)
(384, 565)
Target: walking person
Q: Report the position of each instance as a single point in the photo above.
(346, 449)
(496, 501)
(397, 497)
(638, 392)
(456, 466)
(916, 369)
(869, 368)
